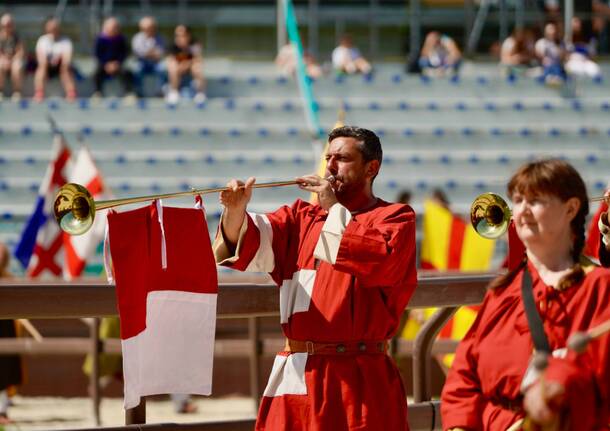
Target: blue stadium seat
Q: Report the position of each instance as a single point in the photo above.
(234, 133)
(511, 79)
(24, 104)
(297, 160)
(34, 187)
(388, 160)
(117, 131)
(124, 187)
(416, 160)
(408, 133)
(4, 186)
(155, 188)
(592, 159)
(425, 80)
(421, 185)
(292, 131)
(263, 133)
(146, 131)
(26, 131)
(451, 184)
(259, 106)
(120, 159)
(432, 106)
(599, 185)
(268, 160)
(209, 159)
(368, 78)
(576, 105)
(554, 132)
(142, 104)
(380, 132)
(374, 106)
(396, 78)
(53, 105)
(225, 80)
(204, 131)
(86, 131)
(548, 106)
(481, 80)
(461, 106)
(282, 80)
(474, 159)
(239, 160)
(455, 79)
(467, 131)
(2, 160)
(605, 106)
(392, 184)
(518, 106)
(445, 159)
(175, 131)
(503, 160)
(230, 104)
(346, 106)
(113, 105)
(253, 80)
(180, 160)
(29, 160)
(339, 79)
(599, 79)
(583, 131)
(403, 106)
(439, 131)
(151, 160)
(83, 104)
(495, 131)
(480, 185)
(287, 106)
(525, 132)
(185, 187)
(489, 106)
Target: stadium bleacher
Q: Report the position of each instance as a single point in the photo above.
(465, 135)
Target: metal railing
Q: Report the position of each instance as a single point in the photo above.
(24, 299)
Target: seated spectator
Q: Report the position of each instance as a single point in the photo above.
(439, 55)
(11, 56)
(185, 58)
(581, 52)
(551, 53)
(54, 57)
(149, 50)
(404, 197)
(517, 50)
(347, 58)
(111, 51)
(286, 61)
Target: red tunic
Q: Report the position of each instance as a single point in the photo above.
(359, 298)
(482, 391)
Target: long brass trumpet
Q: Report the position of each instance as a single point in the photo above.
(490, 214)
(74, 207)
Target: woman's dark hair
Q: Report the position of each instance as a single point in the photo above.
(556, 178)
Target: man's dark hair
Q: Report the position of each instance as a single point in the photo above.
(370, 146)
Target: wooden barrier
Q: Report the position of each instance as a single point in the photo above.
(24, 299)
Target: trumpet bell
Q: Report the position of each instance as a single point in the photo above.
(74, 209)
(490, 215)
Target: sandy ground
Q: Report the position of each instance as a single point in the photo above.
(47, 413)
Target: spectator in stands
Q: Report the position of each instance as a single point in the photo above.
(517, 52)
(54, 57)
(10, 365)
(439, 197)
(149, 49)
(581, 52)
(11, 56)
(404, 197)
(185, 59)
(346, 58)
(286, 61)
(439, 55)
(552, 293)
(111, 50)
(550, 52)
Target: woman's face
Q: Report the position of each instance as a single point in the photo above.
(543, 219)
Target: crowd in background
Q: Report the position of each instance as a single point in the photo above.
(534, 51)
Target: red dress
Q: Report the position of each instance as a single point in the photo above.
(358, 298)
(482, 390)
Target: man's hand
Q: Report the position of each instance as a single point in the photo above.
(112, 67)
(322, 186)
(541, 403)
(235, 200)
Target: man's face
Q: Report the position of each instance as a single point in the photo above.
(345, 162)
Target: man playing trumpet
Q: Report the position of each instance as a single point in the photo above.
(346, 270)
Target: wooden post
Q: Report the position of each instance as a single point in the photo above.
(94, 378)
(137, 415)
(255, 353)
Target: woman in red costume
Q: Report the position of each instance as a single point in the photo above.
(491, 385)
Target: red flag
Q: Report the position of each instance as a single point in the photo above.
(167, 286)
